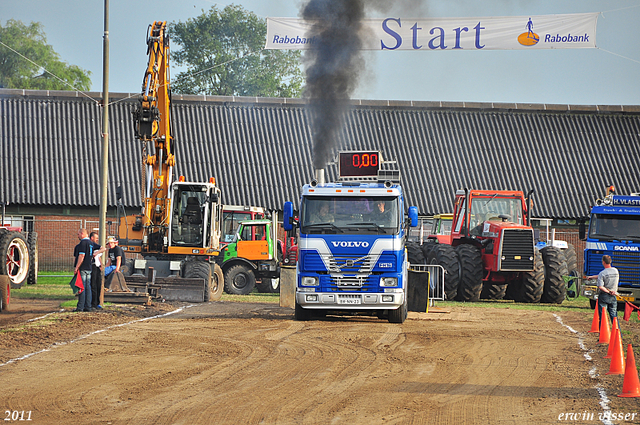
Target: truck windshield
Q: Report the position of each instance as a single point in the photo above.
(490, 208)
(230, 222)
(610, 227)
(371, 215)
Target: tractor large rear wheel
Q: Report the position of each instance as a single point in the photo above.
(445, 256)
(32, 241)
(572, 260)
(414, 254)
(471, 270)
(554, 269)
(493, 291)
(14, 252)
(239, 280)
(5, 292)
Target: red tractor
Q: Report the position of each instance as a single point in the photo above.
(492, 252)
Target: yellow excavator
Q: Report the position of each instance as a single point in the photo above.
(176, 236)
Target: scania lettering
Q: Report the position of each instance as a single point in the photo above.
(351, 250)
(614, 229)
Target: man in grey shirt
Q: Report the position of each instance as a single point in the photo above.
(608, 287)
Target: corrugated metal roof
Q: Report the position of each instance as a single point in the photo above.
(260, 150)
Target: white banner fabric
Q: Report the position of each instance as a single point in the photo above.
(571, 31)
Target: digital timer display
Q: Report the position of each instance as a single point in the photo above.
(359, 164)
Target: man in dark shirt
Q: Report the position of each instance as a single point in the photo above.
(115, 258)
(83, 254)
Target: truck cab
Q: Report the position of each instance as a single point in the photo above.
(614, 229)
(351, 248)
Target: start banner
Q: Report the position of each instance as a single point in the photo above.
(570, 31)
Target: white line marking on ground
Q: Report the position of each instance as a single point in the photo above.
(604, 400)
(42, 317)
(60, 344)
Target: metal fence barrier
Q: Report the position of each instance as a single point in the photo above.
(421, 277)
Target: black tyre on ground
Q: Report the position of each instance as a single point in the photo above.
(301, 314)
(414, 253)
(14, 253)
(554, 269)
(399, 315)
(572, 260)
(493, 291)
(200, 270)
(269, 285)
(239, 280)
(217, 282)
(531, 286)
(445, 256)
(471, 270)
(427, 247)
(5, 292)
(32, 241)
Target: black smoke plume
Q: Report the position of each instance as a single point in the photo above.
(333, 66)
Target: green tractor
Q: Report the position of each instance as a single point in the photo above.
(252, 259)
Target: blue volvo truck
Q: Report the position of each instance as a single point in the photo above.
(352, 233)
(614, 229)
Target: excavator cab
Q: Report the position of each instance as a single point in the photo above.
(195, 219)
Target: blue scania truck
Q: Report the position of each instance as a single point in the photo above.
(352, 233)
(614, 229)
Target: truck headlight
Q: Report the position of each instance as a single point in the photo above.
(388, 281)
(309, 281)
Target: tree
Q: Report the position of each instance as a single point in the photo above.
(222, 50)
(30, 42)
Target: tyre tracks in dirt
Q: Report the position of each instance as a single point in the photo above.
(229, 363)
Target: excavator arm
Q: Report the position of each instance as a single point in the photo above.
(152, 123)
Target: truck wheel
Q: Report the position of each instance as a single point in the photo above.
(217, 283)
(554, 268)
(301, 314)
(32, 241)
(531, 286)
(5, 292)
(200, 270)
(471, 270)
(399, 315)
(14, 251)
(239, 280)
(445, 256)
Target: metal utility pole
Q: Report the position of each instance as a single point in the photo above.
(102, 232)
(105, 126)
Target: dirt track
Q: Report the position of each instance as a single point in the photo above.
(232, 363)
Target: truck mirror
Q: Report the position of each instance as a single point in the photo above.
(287, 216)
(582, 231)
(413, 216)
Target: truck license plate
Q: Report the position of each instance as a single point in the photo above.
(349, 301)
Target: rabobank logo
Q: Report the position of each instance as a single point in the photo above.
(529, 38)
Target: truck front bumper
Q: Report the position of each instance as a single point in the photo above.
(350, 300)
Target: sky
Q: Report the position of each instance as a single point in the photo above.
(607, 75)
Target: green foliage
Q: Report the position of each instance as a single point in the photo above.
(222, 50)
(30, 41)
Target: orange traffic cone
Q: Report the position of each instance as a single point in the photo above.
(631, 385)
(596, 319)
(605, 333)
(615, 337)
(617, 359)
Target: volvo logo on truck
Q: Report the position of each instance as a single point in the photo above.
(350, 244)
